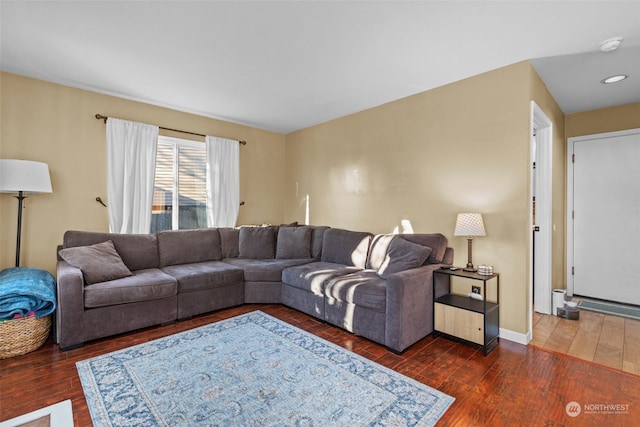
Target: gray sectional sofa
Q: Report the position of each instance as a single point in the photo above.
(378, 287)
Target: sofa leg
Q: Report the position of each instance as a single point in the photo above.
(72, 347)
(394, 351)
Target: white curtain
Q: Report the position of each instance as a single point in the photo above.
(131, 154)
(223, 181)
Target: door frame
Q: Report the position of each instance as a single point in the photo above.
(540, 270)
(570, 184)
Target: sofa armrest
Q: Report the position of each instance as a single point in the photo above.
(70, 289)
(409, 312)
(448, 256)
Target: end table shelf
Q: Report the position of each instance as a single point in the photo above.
(467, 303)
(465, 318)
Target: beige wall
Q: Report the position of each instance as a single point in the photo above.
(55, 124)
(414, 162)
(603, 120)
(422, 159)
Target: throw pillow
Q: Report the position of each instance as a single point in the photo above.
(99, 263)
(257, 242)
(294, 242)
(403, 255)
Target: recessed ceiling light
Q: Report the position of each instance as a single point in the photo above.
(614, 79)
(611, 44)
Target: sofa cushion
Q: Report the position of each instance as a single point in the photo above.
(257, 242)
(229, 238)
(204, 275)
(143, 285)
(345, 247)
(363, 288)
(403, 255)
(189, 246)
(98, 263)
(436, 241)
(294, 243)
(138, 251)
(313, 276)
(317, 237)
(264, 270)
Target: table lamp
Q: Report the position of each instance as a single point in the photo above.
(469, 225)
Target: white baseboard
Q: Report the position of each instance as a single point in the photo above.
(518, 337)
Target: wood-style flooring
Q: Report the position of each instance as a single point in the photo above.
(606, 340)
(515, 385)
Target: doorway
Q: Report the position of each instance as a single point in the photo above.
(540, 212)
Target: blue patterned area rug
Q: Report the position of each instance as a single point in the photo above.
(251, 370)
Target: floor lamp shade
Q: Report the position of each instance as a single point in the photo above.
(23, 177)
(469, 225)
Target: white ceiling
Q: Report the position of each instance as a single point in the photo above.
(287, 65)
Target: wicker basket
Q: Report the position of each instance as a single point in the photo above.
(20, 336)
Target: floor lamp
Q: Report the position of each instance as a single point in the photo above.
(23, 177)
(469, 225)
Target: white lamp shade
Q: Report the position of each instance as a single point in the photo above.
(469, 224)
(24, 175)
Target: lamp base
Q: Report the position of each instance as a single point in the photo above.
(470, 268)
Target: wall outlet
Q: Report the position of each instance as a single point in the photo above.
(475, 290)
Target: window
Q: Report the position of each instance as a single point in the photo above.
(180, 195)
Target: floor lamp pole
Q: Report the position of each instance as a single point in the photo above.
(20, 198)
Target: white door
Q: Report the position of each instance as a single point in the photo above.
(606, 216)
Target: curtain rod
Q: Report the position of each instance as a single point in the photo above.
(104, 118)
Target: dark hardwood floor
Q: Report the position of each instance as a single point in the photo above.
(514, 385)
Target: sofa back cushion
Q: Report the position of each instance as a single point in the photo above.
(257, 242)
(138, 251)
(188, 246)
(229, 242)
(436, 241)
(317, 237)
(294, 243)
(346, 247)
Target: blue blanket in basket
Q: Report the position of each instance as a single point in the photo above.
(23, 290)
